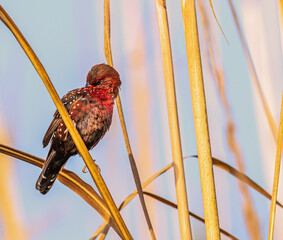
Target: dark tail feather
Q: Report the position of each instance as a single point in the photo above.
(50, 171)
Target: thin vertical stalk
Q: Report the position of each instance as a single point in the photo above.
(69, 124)
(276, 174)
(249, 211)
(200, 120)
(183, 211)
(108, 55)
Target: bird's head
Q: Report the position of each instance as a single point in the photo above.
(104, 77)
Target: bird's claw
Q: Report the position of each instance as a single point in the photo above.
(98, 168)
(84, 170)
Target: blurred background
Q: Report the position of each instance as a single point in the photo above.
(67, 36)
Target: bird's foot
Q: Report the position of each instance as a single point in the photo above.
(84, 170)
(98, 168)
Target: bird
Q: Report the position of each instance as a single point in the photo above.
(91, 110)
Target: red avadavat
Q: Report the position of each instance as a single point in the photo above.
(91, 109)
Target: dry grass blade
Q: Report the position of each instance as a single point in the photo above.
(266, 108)
(276, 175)
(108, 55)
(102, 231)
(69, 179)
(200, 120)
(243, 178)
(251, 218)
(171, 204)
(69, 124)
(218, 21)
(184, 220)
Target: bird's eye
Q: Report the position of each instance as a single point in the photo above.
(98, 82)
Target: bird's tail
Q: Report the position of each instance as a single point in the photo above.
(50, 171)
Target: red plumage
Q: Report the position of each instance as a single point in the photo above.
(91, 109)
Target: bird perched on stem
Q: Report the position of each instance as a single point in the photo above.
(91, 109)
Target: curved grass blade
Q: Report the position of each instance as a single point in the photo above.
(69, 179)
(212, 9)
(171, 204)
(108, 55)
(276, 175)
(243, 178)
(94, 172)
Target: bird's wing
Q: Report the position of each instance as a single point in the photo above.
(68, 100)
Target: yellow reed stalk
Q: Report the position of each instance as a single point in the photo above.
(200, 120)
(276, 175)
(181, 193)
(264, 103)
(69, 124)
(250, 215)
(108, 55)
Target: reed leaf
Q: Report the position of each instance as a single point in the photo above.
(243, 178)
